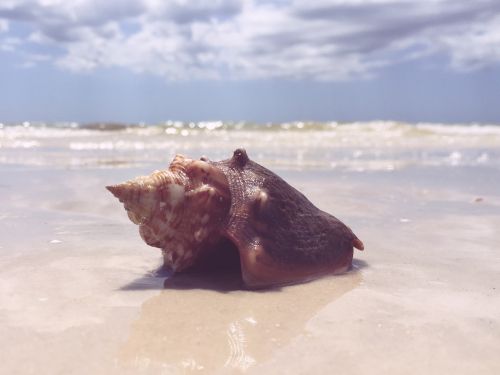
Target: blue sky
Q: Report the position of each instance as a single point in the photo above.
(152, 60)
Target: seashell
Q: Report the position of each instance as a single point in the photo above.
(281, 237)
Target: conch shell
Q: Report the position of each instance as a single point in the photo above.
(281, 237)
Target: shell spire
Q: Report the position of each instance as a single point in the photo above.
(119, 191)
(139, 196)
(179, 210)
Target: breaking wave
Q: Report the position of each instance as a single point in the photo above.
(359, 146)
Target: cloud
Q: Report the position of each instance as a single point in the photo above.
(253, 39)
(477, 47)
(4, 25)
(183, 12)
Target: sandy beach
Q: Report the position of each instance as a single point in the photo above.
(80, 293)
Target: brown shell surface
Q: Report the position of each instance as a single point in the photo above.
(283, 235)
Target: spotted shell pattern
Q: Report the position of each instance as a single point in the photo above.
(158, 204)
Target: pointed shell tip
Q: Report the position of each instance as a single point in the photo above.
(114, 190)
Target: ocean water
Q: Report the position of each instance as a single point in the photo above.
(369, 146)
(79, 291)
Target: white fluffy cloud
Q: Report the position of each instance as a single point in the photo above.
(247, 39)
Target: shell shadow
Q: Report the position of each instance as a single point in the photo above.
(358, 264)
(221, 272)
(191, 325)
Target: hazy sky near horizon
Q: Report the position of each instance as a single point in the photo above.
(256, 60)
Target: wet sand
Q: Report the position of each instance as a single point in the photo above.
(80, 292)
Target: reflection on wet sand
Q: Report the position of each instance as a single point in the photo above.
(201, 322)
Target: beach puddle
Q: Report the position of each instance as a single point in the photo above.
(214, 326)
